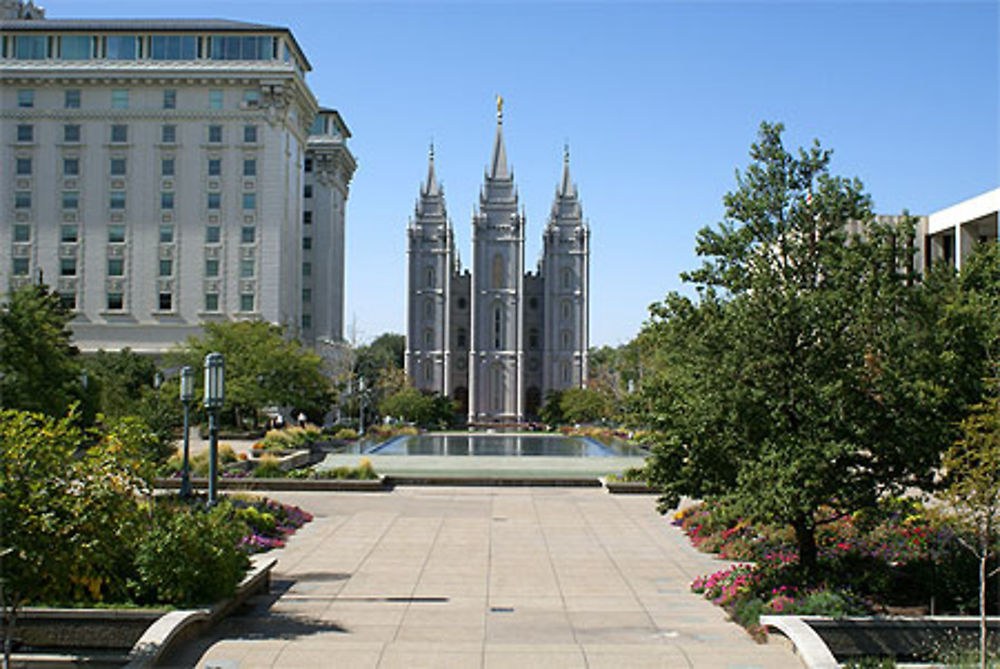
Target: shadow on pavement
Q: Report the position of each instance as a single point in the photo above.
(255, 621)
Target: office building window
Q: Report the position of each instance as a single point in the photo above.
(213, 234)
(308, 165)
(215, 99)
(119, 132)
(71, 167)
(68, 233)
(166, 234)
(248, 234)
(166, 268)
(307, 321)
(31, 47)
(71, 132)
(26, 98)
(246, 302)
(168, 134)
(23, 167)
(215, 134)
(211, 301)
(117, 200)
(246, 269)
(214, 167)
(308, 191)
(249, 200)
(166, 301)
(68, 301)
(117, 167)
(307, 217)
(251, 47)
(22, 199)
(76, 47)
(173, 47)
(250, 167)
(22, 232)
(214, 200)
(20, 267)
(71, 199)
(250, 134)
(166, 200)
(116, 234)
(251, 98)
(25, 132)
(72, 98)
(307, 243)
(67, 267)
(307, 295)
(116, 302)
(211, 268)
(307, 269)
(121, 47)
(167, 167)
(116, 267)
(119, 98)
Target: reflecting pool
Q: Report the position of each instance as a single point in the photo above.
(514, 445)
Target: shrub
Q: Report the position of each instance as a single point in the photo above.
(268, 468)
(346, 434)
(189, 555)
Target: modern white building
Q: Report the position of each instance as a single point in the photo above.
(497, 339)
(952, 233)
(164, 173)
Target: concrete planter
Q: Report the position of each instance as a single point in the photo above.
(116, 637)
(375, 485)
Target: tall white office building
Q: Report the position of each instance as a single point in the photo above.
(161, 174)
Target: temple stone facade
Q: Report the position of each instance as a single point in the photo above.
(497, 338)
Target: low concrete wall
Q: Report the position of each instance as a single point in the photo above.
(374, 485)
(94, 628)
(825, 642)
(629, 488)
(512, 481)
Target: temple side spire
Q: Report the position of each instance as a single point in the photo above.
(431, 185)
(566, 185)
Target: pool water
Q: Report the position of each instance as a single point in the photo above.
(514, 445)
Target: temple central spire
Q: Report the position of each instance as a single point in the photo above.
(498, 163)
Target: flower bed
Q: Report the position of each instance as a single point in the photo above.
(269, 523)
(900, 558)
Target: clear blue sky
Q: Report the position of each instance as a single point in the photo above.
(659, 102)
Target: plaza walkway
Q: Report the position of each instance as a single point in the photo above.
(483, 577)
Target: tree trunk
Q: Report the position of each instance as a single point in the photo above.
(982, 607)
(805, 537)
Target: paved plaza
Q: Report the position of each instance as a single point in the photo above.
(483, 577)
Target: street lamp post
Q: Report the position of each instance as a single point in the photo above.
(214, 395)
(361, 405)
(187, 395)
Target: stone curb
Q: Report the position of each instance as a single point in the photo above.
(183, 625)
(490, 481)
(629, 487)
(374, 485)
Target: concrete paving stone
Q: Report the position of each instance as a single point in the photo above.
(441, 633)
(610, 604)
(520, 656)
(634, 657)
(394, 658)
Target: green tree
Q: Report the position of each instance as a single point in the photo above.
(551, 412)
(39, 366)
(424, 409)
(972, 493)
(585, 405)
(118, 379)
(263, 368)
(803, 382)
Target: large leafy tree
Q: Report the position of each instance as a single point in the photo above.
(262, 368)
(808, 378)
(39, 365)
